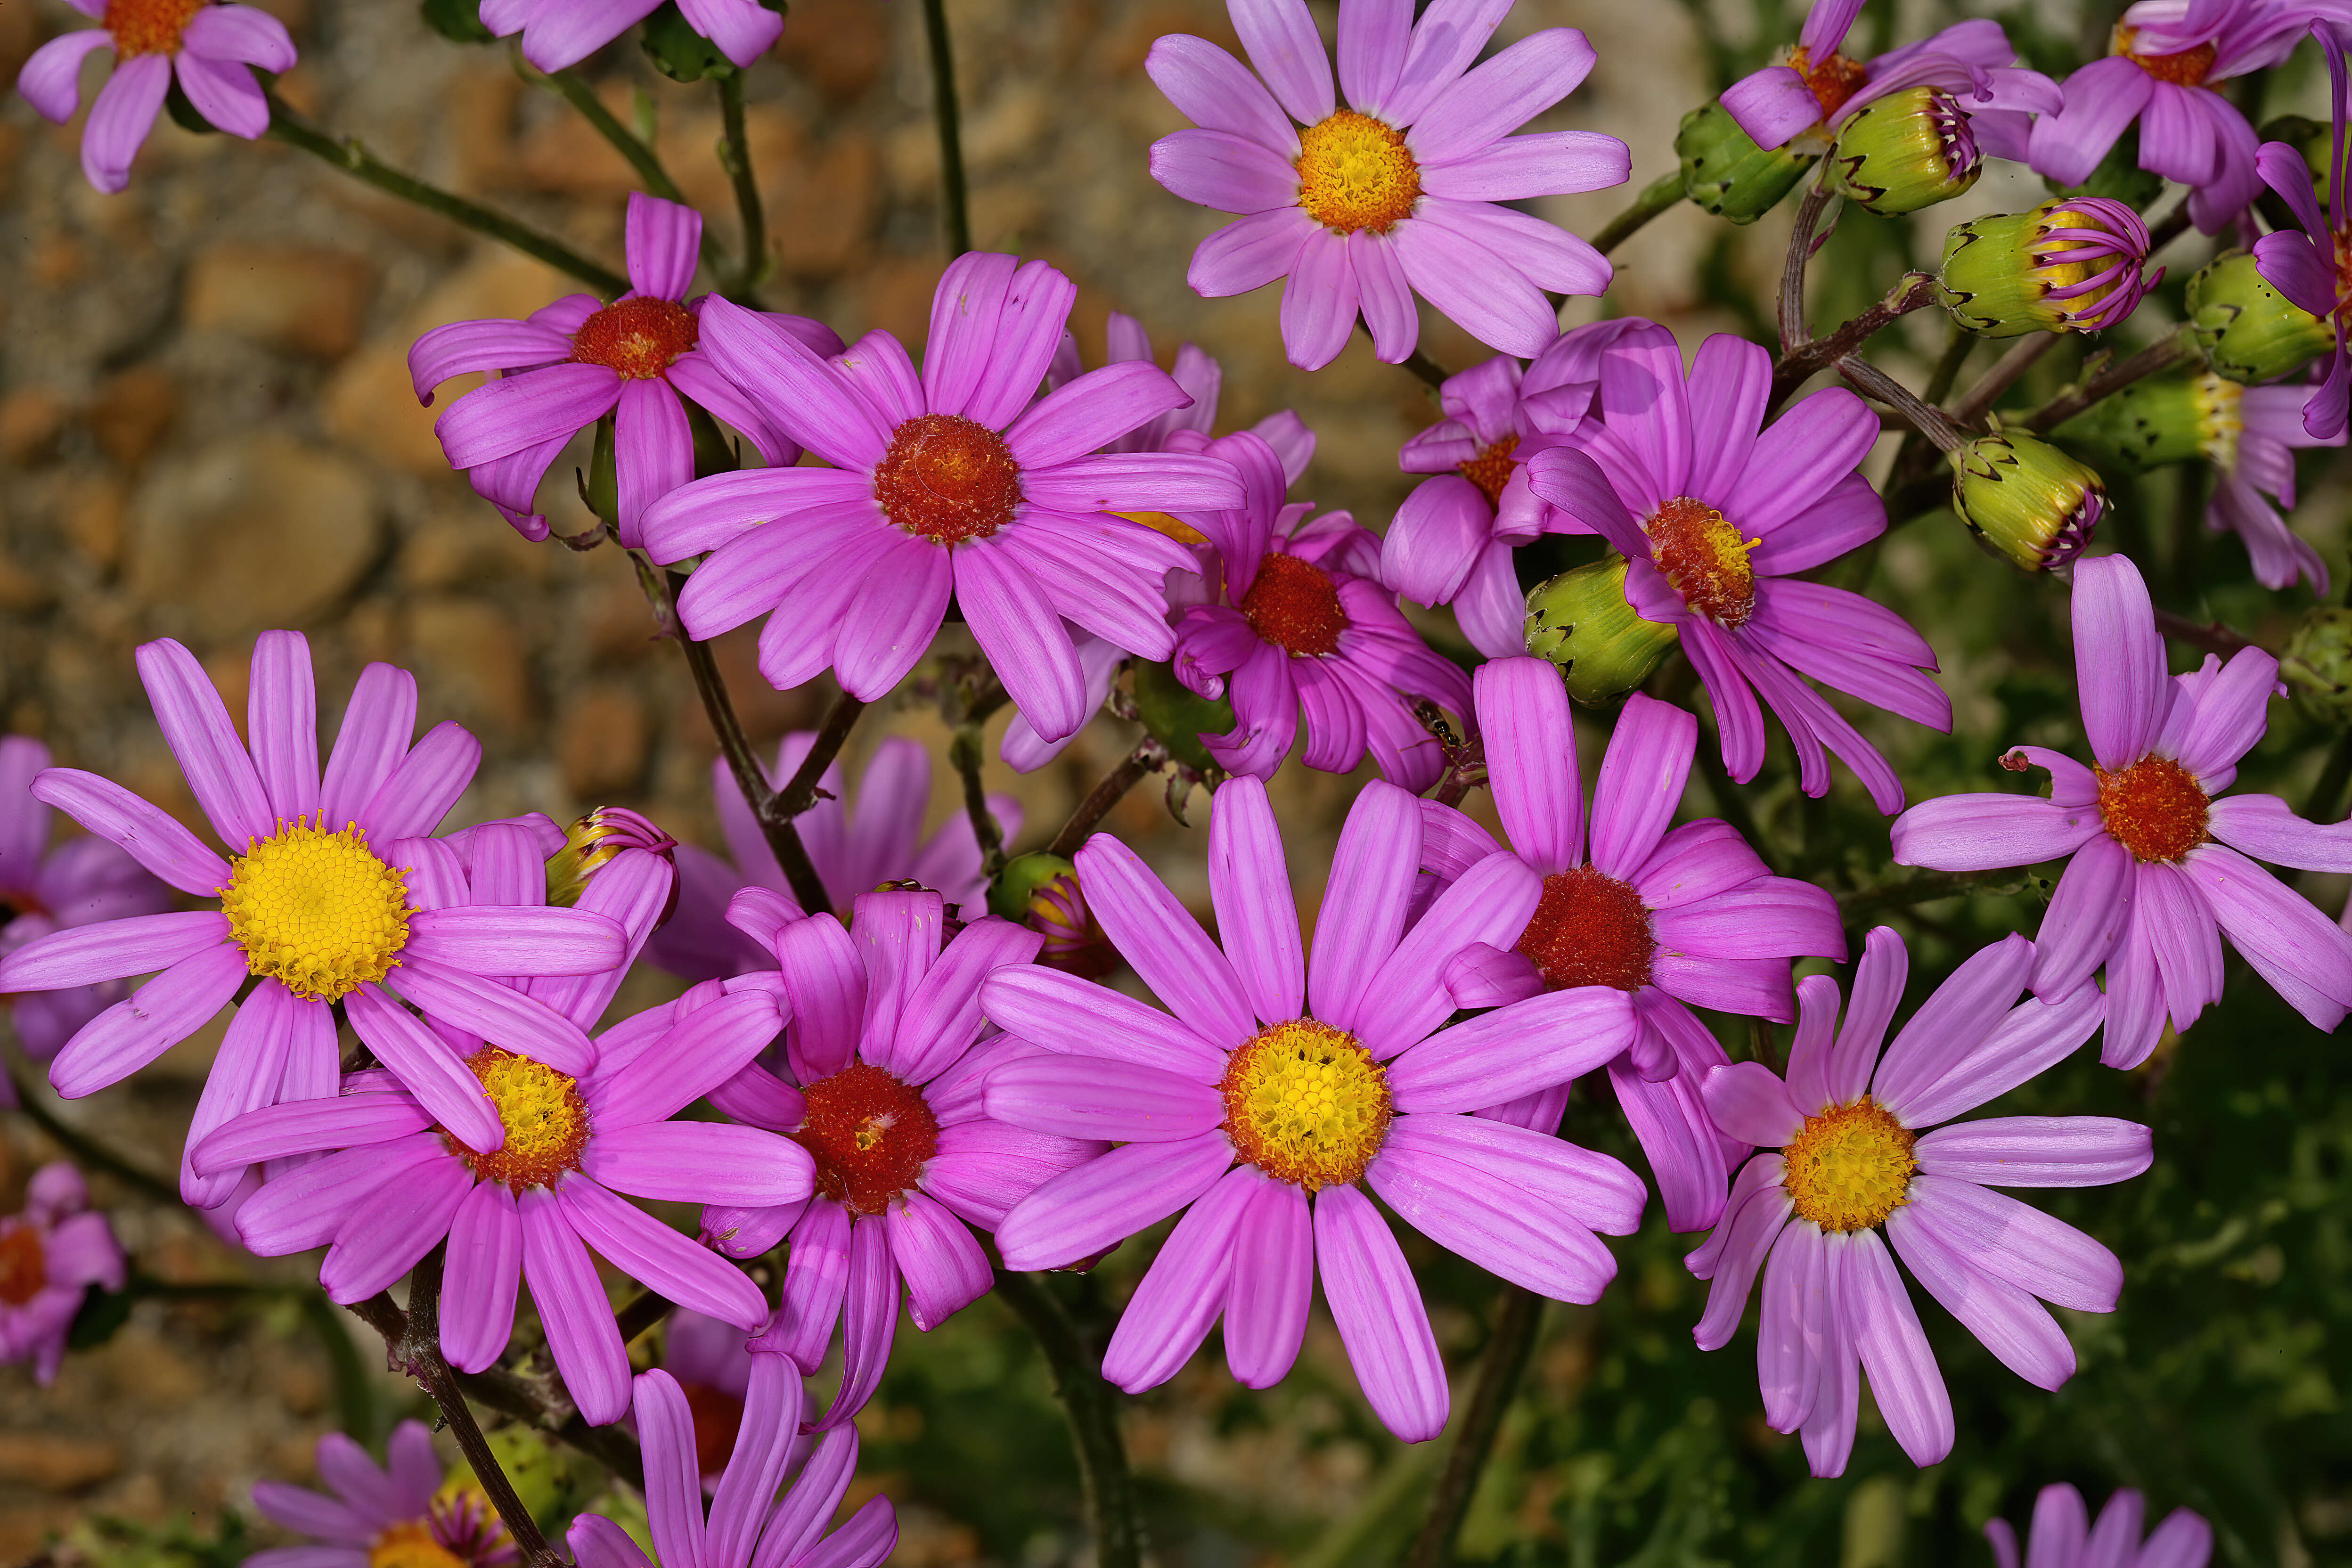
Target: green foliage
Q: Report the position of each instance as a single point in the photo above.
(459, 21)
(101, 1541)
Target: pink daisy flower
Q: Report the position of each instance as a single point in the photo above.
(1674, 918)
(2314, 268)
(560, 33)
(530, 1206)
(383, 1514)
(953, 485)
(1281, 1087)
(1816, 89)
(748, 1525)
(1298, 621)
(571, 363)
(1716, 515)
(2161, 868)
(321, 917)
(882, 841)
(885, 1060)
(1851, 1155)
(1362, 208)
(50, 1255)
(210, 49)
(2168, 60)
(81, 882)
(2064, 1537)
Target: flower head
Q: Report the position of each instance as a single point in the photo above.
(639, 359)
(1674, 918)
(2160, 863)
(334, 891)
(2166, 60)
(1283, 1087)
(211, 50)
(2064, 1537)
(1864, 1160)
(1362, 207)
(2314, 268)
(747, 1523)
(400, 1514)
(1714, 516)
(50, 1255)
(560, 33)
(880, 1084)
(951, 484)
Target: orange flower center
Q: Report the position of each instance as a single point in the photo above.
(947, 479)
(640, 337)
(545, 1118)
(149, 27)
(1706, 559)
(869, 1134)
(1355, 173)
(2189, 68)
(24, 1270)
(718, 1417)
(1836, 79)
(1490, 471)
(411, 1544)
(1306, 1103)
(1293, 605)
(2155, 808)
(1589, 930)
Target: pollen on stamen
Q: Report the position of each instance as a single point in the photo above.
(1306, 1103)
(1850, 1166)
(149, 27)
(544, 1115)
(1356, 172)
(1705, 560)
(947, 478)
(317, 911)
(411, 1544)
(2155, 808)
(640, 337)
(1293, 605)
(1833, 80)
(1589, 929)
(870, 1135)
(1491, 470)
(2184, 67)
(24, 1267)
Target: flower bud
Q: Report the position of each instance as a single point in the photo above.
(2318, 662)
(2167, 419)
(1580, 621)
(592, 841)
(2026, 499)
(1726, 174)
(1904, 152)
(1041, 891)
(2249, 331)
(2070, 265)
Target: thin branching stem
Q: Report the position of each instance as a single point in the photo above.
(735, 156)
(1092, 1406)
(955, 206)
(89, 1151)
(2153, 360)
(1656, 197)
(1506, 1361)
(2005, 371)
(1149, 757)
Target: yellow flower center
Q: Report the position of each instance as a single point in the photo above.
(410, 1544)
(1705, 560)
(317, 910)
(545, 1118)
(149, 27)
(1305, 1103)
(1356, 172)
(2221, 419)
(1849, 1167)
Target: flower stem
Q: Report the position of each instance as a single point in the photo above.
(1149, 757)
(356, 161)
(1092, 1406)
(1656, 197)
(963, 752)
(1794, 334)
(1514, 1340)
(2153, 360)
(576, 92)
(803, 792)
(954, 205)
(735, 157)
(2003, 375)
(1914, 290)
(1926, 886)
(85, 1148)
(1925, 418)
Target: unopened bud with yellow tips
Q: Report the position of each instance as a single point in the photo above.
(2072, 266)
(1582, 622)
(592, 843)
(2167, 419)
(2249, 331)
(1903, 151)
(1726, 174)
(1041, 891)
(2026, 499)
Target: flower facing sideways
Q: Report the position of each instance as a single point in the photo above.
(50, 1255)
(399, 1514)
(2063, 1536)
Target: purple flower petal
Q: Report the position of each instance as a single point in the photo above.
(1513, 1050)
(223, 92)
(1085, 415)
(1771, 105)
(1595, 1191)
(1319, 301)
(2037, 1151)
(1185, 1289)
(816, 1273)
(2118, 661)
(1502, 93)
(52, 79)
(428, 780)
(2102, 100)
(1754, 1216)
(197, 726)
(505, 416)
(1102, 1203)
(120, 118)
(1531, 760)
(516, 941)
(1224, 172)
(1169, 952)
(1249, 253)
(110, 950)
(1903, 1374)
(485, 1274)
(1102, 1098)
(1980, 832)
(1679, 1141)
(574, 1308)
(1372, 872)
(482, 1007)
(1449, 35)
(1520, 168)
(1249, 887)
(1285, 50)
(744, 29)
(700, 1162)
(383, 1238)
(1273, 1282)
(1215, 91)
(2265, 828)
(994, 325)
(2018, 1243)
(662, 241)
(308, 1126)
(944, 1268)
(1024, 638)
(1476, 264)
(1407, 997)
(869, 1320)
(645, 1249)
(1376, 1303)
(598, 1542)
(699, 1051)
(2018, 1330)
(303, 1207)
(1384, 296)
(151, 1021)
(427, 1066)
(2306, 957)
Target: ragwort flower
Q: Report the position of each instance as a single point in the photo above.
(50, 1255)
(560, 33)
(2064, 1537)
(398, 1514)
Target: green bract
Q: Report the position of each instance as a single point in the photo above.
(2248, 330)
(2026, 499)
(1580, 621)
(2167, 419)
(1904, 152)
(1725, 173)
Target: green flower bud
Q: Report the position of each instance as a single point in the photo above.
(1904, 152)
(592, 841)
(2026, 499)
(1726, 174)
(1580, 621)
(1041, 891)
(2318, 662)
(2070, 265)
(2248, 330)
(2167, 419)
(1177, 716)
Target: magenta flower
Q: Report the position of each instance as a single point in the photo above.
(560, 33)
(1716, 516)
(82, 882)
(1453, 540)
(1279, 1087)
(748, 1526)
(1855, 1157)
(571, 363)
(885, 1057)
(2168, 59)
(882, 842)
(320, 917)
(1816, 88)
(2064, 1537)
(398, 1183)
(1673, 918)
(1362, 208)
(382, 1515)
(2310, 267)
(50, 1255)
(1302, 622)
(210, 49)
(2253, 463)
(712, 1363)
(950, 485)
(2160, 868)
